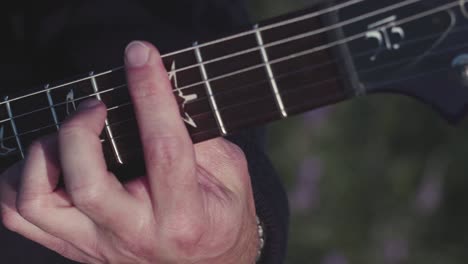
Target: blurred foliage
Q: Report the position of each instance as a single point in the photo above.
(379, 179)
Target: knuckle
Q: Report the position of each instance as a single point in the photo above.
(29, 208)
(70, 130)
(165, 153)
(9, 219)
(86, 197)
(144, 246)
(144, 87)
(184, 236)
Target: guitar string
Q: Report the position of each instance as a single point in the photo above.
(124, 85)
(351, 21)
(300, 36)
(278, 77)
(179, 89)
(213, 129)
(304, 35)
(130, 152)
(322, 82)
(316, 66)
(337, 7)
(278, 24)
(324, 47)
(295, 89)
(359, 55)
(314, 84)
(272, 62)
(58, 124)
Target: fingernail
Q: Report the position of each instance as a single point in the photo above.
(136, 54)
(88, 104)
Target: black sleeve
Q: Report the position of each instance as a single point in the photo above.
(65, 38)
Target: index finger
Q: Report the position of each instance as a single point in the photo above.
(167, 147)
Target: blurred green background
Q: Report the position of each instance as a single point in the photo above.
(380, 179)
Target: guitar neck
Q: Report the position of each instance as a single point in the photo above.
(222, 86)
(276, 69)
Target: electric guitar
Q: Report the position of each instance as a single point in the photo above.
(270, 71)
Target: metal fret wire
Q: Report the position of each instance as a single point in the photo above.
(403, 21)
(307, 52)
(312, 33)
(308, 85)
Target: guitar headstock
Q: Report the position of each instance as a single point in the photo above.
(419, 51)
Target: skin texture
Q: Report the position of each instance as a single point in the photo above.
(195, 205)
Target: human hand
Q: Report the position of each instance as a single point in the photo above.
(194, 206)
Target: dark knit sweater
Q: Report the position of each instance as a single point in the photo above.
(59, 38)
